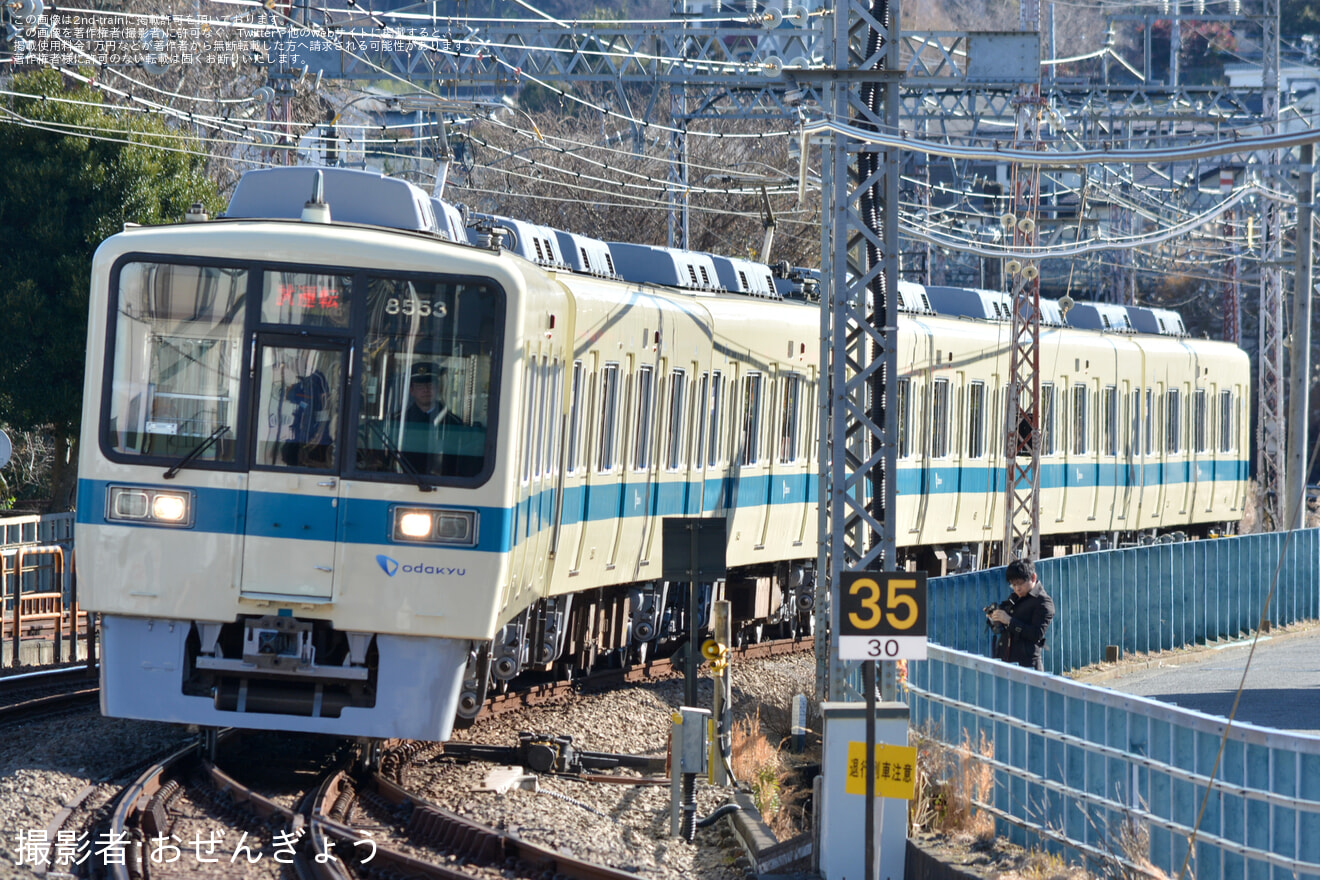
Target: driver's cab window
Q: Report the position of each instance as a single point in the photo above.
(298, 407)
(429, 365)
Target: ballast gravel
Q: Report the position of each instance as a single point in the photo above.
(623, 826)
(47, 764)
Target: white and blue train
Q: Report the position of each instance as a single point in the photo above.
(350, 461)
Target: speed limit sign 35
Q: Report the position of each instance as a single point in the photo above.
(882, 615)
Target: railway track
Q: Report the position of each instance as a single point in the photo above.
(347, 823)
(48, 692)
(352, 823)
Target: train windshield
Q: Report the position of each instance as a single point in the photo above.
(428, 365)
(191, 357)
(177, 360)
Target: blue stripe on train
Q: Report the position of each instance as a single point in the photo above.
(225, 511)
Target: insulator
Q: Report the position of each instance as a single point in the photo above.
(1030, 272)
(1026, 225)
(1012, 267)
(1007, 220)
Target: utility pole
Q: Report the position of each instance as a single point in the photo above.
(1271, 470)
(1300, 359)
(1022, 428)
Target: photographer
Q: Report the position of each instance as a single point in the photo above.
(1020, 621)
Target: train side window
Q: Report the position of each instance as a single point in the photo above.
(716, 417)
(976, 420)
(751, 419)
(1226, 436)
(609, 413)
(1200, 436)
(574, 419)
(645, 414)
(1080, 423)
(939, 418)
(1045, 413)
(700, 410)
(904, 418)
(677, 406)
(1109, 420)
(791, 413)
(1173, 427)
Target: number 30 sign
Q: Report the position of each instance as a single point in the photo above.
(882, 615)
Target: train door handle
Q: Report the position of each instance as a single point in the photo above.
(329, 484)
(324, 568)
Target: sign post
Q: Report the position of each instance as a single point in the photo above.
(881, 617)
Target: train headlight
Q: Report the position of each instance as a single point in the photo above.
(155, 506)
(415, 525)
(169, 508)
(421, 525)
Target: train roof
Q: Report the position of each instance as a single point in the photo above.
(353, 197)
(372, 199)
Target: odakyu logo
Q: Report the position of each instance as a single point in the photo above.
(392, 567)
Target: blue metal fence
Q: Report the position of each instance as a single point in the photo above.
(1087, 768)
(1144, 598)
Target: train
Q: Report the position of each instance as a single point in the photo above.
(353, 457)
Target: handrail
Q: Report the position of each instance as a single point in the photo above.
(1074, 763)
(41, 543)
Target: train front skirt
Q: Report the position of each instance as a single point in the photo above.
(416, 694)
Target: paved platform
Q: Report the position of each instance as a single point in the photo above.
(1281, 690)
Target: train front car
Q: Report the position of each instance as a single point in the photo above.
(290, 508)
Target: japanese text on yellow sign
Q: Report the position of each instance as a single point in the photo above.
(895, 770)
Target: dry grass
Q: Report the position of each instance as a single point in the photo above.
(761, 765)
(949, 783)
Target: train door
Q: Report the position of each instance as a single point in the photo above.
(614, 451)
(806, 450)
(645, 454)
(294, 486)
(920, 410)
(784, 454)
(532, 518)
(1201, 464)
(588, 462)
(544, 467)
(568, 503)
(1128, 468)
(1063, 400)
(963, 440)
(1146, 398)
(1161, 430)
(753, 474)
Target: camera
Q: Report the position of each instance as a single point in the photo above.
(991, 609)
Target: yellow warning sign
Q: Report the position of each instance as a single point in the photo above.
(895, 770)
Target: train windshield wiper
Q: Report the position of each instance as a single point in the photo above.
(398, 457)
(196, 451)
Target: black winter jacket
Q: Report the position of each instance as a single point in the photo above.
(1024, 635)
